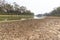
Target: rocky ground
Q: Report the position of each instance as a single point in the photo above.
(34, 29)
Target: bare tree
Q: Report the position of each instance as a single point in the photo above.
(2, 2)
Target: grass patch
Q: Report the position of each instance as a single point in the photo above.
(14, 17)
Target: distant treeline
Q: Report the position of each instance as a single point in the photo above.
(55, 12)
(14, 9)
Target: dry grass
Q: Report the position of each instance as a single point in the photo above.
(43, 29)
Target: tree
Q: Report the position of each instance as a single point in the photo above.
(14, 9)
(16, 6)
(7, 7)
(22, 9)
(55, 12)
(2, 2)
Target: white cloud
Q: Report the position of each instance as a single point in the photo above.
(38, 6)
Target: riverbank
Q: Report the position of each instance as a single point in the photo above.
(33, 29)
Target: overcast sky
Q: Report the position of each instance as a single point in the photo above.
(38, 6)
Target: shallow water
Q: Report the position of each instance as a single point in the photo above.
(39, 17)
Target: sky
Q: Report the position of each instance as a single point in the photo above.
(38, 6)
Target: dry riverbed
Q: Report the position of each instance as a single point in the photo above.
(34, 29)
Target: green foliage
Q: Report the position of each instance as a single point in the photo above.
(14, 9)
(55, 12)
